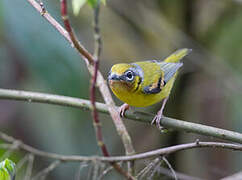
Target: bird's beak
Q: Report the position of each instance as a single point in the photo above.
(113, 76)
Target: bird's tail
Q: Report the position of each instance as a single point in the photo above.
(177, 55)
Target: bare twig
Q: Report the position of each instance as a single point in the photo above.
(22, 162)
(137, 116)
(154, 170)
(10, 150)
(47, 170)
(148, 168)
(29, 167)
(170, 167)
(150, 154)
(97, 52)
(107, 170)
(96, 167)
(236, 176)
(78, 174)
(94, 61)
(179, 175)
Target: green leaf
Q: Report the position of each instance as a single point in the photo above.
(93, 3)
(7, 170)
(76, 6)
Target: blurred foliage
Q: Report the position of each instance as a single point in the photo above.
(34, 56)
(78, 4)
(7, 170)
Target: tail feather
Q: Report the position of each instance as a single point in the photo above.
(177, 55)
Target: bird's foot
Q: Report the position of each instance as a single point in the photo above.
(156, 120)
(123, 109)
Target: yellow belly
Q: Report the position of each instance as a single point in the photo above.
(140, 99)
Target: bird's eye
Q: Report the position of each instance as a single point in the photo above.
(129, 75)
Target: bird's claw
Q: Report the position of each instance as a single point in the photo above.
(123, 109)
(156, 120)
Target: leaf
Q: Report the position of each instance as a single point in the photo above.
(76, 6)
(93, 3)
(7, 170)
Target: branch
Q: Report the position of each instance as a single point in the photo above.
(137, 116)
(97, 49)
(101, 83)
(94, 60)
(235, 176)
(150, 154)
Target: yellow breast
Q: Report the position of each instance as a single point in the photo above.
(138, 98)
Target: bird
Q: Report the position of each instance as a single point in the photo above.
(144, 83)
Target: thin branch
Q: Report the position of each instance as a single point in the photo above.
(10, 150)
(150, 154)
(78, 174)
(179, 175)
(94, 61)
(236, 176)
(29, 167)
(101, 83)
(107, 170)
(137, 116)
(47, 170)
(148, 168)
(154, 170)
(170, 167)
(97, 51)
(22, 162)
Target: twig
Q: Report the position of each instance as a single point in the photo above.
(96, 167)
(179, 175)
(170, 167)
(10, 150)
(150, 154)
(89, 173)
(154, 170)
(97, 51)
(147, 169)
(78, 174)
(45, 171)
(137, 116)
(101, 83)
(22, 162)
(29, 167)
(236, 176)
(107, 170)
(94, 62)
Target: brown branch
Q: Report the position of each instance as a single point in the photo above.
(97, 52)
(150, 154)
(93, 60)
(101, 83)
(167, 122)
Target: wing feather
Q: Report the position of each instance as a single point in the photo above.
(169, 69)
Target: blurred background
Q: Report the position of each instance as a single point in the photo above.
(35, 57)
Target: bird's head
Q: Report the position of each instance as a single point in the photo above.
(124, 78)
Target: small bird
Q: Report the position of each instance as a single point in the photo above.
(144, 83)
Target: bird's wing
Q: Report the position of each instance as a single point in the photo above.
(169, 69)
(158, 81)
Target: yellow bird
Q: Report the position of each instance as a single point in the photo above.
(144, 83)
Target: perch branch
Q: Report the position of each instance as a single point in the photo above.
(137, 116)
